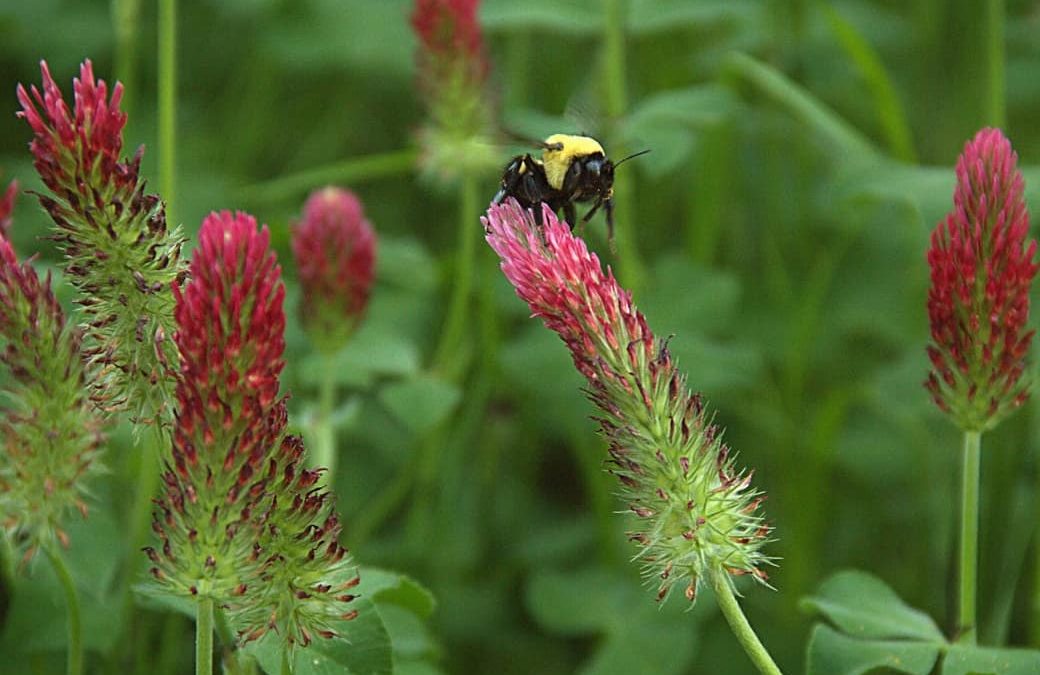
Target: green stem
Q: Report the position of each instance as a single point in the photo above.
(448, 358)
(324, 434)
(353, 170)
(204, 637)
(995, 112)
(75, 656)
(383, 505)
(125, 17)
(966, 623)
(286, 663)
(616, 104)
(168, 104)
(739, 624)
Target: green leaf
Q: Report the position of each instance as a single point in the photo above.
(405, 263)
(569, 17)
(831, 653)
(653, 16)
(862, 605)
(422, 403)
(365, 649)
(668, 121)
(968, 660)
(408, 633)
(562, 602)
(388, 587)
(371, 353)
(661, 647)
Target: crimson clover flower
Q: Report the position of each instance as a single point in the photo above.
(978, 303)
(50, 437)
(334, 248)
(696, 511)
(119, 253)
(241, 520)
(7, 207)
(453, 70)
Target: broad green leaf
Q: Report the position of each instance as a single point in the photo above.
(408, 633)
(832, 653)
(405, 263)
(579, 603)
(967, 660)
(656, 645)
(388, 587)
(365, 648)
(371, 353)
(422, 403)
(863, 606)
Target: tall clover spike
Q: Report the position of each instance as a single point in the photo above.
(50, 437)
(241, 522)
(982, 269)
(119, 252)
(696, 512)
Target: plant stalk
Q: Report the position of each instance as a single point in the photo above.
(745, 634)
(969, 555)
(75, 628)
(204, 637)
(447, 358)
(324, 434)
(168, 105)
(995, 106)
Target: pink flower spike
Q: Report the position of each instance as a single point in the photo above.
(981, 270)
(7, 208)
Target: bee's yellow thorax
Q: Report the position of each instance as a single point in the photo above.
(558, 161)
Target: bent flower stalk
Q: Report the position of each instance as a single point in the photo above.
(697, 513)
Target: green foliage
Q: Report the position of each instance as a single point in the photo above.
(782, 226)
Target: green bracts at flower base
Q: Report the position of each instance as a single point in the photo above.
(120, 255)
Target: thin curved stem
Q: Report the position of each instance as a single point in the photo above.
(75, 627)
(168, 105)
(745, 634)
(969, 554)
(204, 637)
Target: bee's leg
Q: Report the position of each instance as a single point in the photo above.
(510, 180)
(592, 211)
(608, 207)
(570, 215)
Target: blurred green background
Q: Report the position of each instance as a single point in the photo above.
(802, 153)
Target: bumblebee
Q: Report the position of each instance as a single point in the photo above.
(572, 169)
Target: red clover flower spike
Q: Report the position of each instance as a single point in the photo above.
(119, 253)
(49, 436)
(7, 208)
(241, 520)
(978, 303)
(334, 248)
(452, 78)
(696, 511)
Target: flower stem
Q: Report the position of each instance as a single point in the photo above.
(616, 100)
(75, 647)
(286, 668)
(447, 358)
(325, 436)
(740, 626)
(993, 20)
(125, 17)
(168, 104)
(204, 637)
(969, 537)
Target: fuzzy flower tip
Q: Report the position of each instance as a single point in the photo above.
(978, 303)
(49, 436)
(7, 208)
(696, 512)
(452, 78)
(119, 252)
(334, 248)
(241, 520)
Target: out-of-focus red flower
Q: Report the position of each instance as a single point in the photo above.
(448, 31)
(7, 208)
(334, 248)
(242, 521)
(697, 512)
(978, 303)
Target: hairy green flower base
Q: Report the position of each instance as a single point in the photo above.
(49, 435)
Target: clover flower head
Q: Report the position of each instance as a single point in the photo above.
(119, 253)
(334, 248)
(696, 512)
(982, 269)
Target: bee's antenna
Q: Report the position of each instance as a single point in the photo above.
(632, 156)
